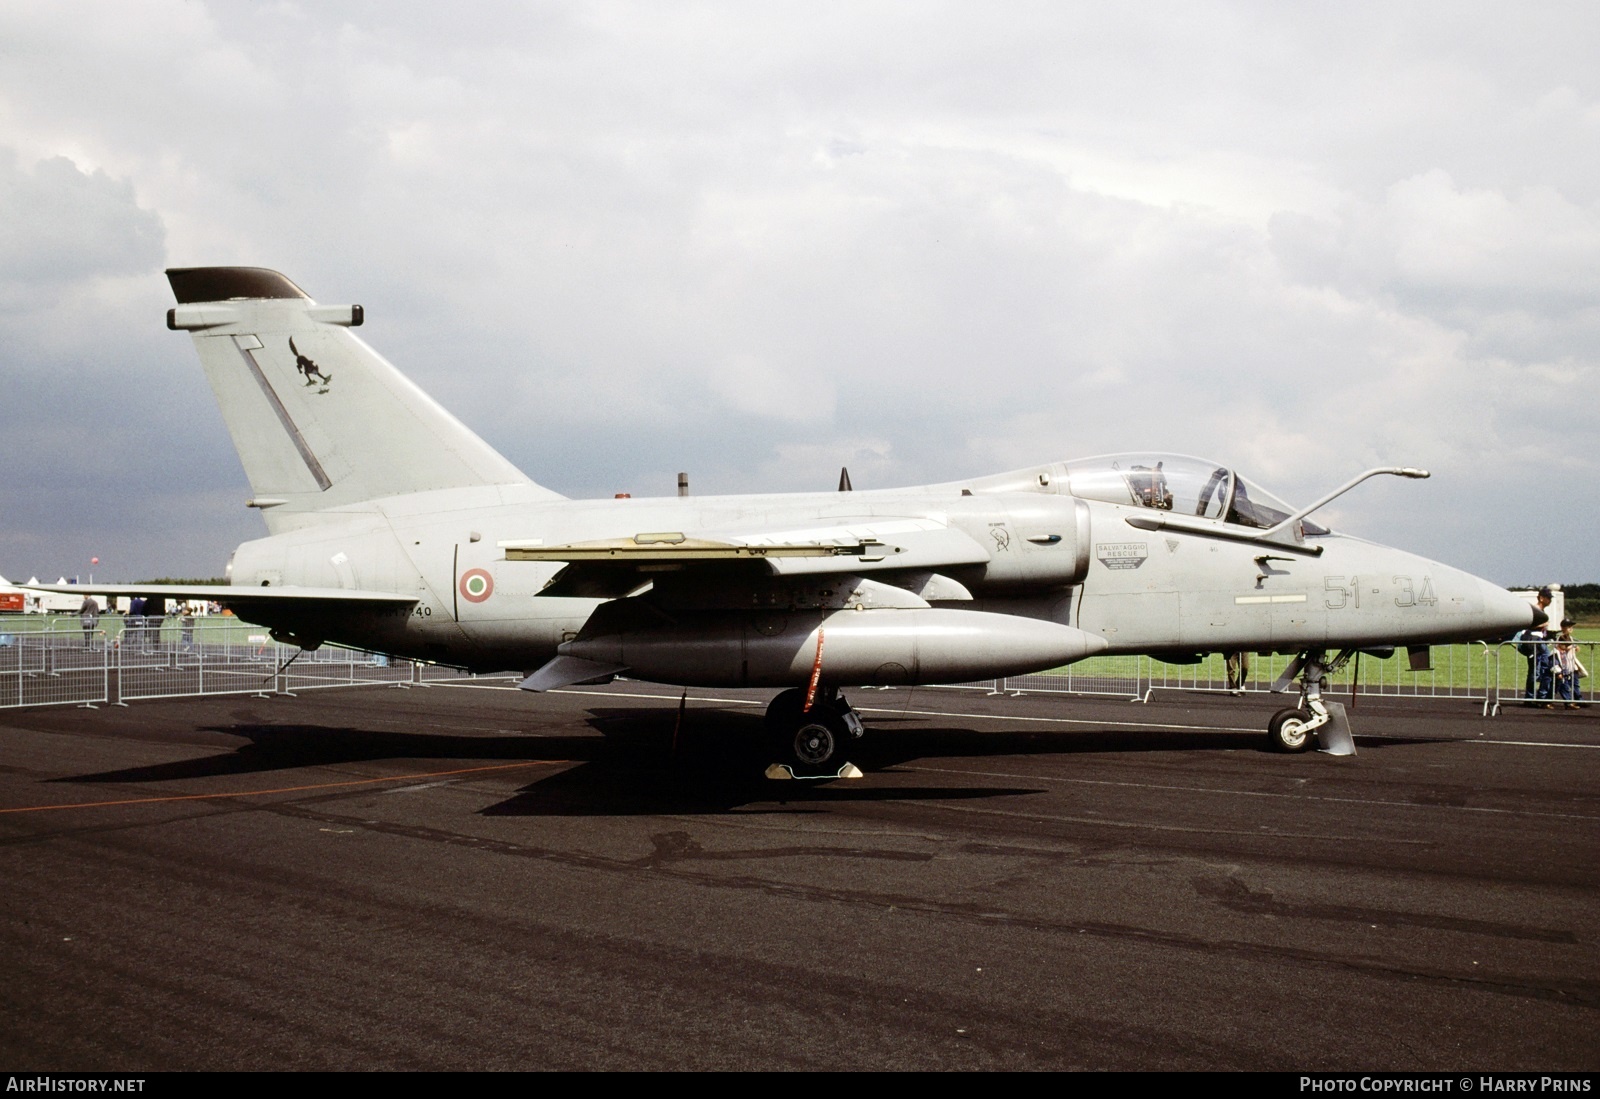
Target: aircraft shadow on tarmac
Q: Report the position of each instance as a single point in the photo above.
(285, 747)
(642, 760)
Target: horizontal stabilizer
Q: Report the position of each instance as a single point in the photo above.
(564, 671)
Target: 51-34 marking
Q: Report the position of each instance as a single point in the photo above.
(1337, 594)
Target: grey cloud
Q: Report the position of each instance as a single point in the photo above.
(59, 224)
(757, 243)
(1441, 247)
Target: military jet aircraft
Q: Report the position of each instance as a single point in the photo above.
(393, 527)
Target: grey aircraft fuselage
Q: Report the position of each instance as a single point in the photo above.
(1162, 592)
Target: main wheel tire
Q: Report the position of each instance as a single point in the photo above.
(818, 745)
(812, 742)
(1287, 731)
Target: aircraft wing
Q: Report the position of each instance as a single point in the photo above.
(870, 544)
(236, 595)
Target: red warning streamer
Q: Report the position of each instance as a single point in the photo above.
(816, 674)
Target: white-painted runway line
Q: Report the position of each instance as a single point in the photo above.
(1023, 718)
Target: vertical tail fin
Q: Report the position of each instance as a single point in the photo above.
(319, 419)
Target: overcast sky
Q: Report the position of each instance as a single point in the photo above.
(759, 242)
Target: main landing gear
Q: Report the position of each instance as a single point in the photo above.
(812, 743)
(1298, 728)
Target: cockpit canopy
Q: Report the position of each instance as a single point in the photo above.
(1179, 484)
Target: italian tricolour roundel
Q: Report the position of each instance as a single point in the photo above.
(476, 585)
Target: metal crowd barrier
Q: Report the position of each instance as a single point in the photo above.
(46, 668)
(1098, 677)
(1515, 668)
(1458, 671)
(52, 661)
(1488, 675)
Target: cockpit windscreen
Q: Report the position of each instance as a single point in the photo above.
(1180, 484)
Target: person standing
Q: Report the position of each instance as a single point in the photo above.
(1569, 670)
(133, 626)
(1238, 671)
(1531, 644)
(89, 615)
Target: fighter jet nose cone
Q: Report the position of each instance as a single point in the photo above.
(1504, 613)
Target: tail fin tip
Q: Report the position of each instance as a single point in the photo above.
(206, 284)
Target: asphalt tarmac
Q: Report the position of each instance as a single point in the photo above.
(464, 876)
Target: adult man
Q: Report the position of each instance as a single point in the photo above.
(133, 625)
(1532, 645)
(89, 615)
(1238, 671)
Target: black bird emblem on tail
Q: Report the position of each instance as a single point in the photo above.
(304, 364)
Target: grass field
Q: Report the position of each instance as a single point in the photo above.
(113, 626)
(1456, 668)
(214, 631)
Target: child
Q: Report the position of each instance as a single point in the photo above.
(1568, 668)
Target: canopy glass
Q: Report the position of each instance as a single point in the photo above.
(1179, 484)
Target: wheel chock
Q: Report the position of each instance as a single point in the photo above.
(784, 771)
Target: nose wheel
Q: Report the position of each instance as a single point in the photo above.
(1291, 731)
(812, 743)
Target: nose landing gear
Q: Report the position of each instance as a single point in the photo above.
(1295, 730)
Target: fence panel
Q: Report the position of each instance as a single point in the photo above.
(44, 668)
(1458, 671)
(233, 657)
(1527, 674)
(1100, 676)
(49, 660)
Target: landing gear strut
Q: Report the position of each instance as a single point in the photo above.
(1295, 730)
(812, 743)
